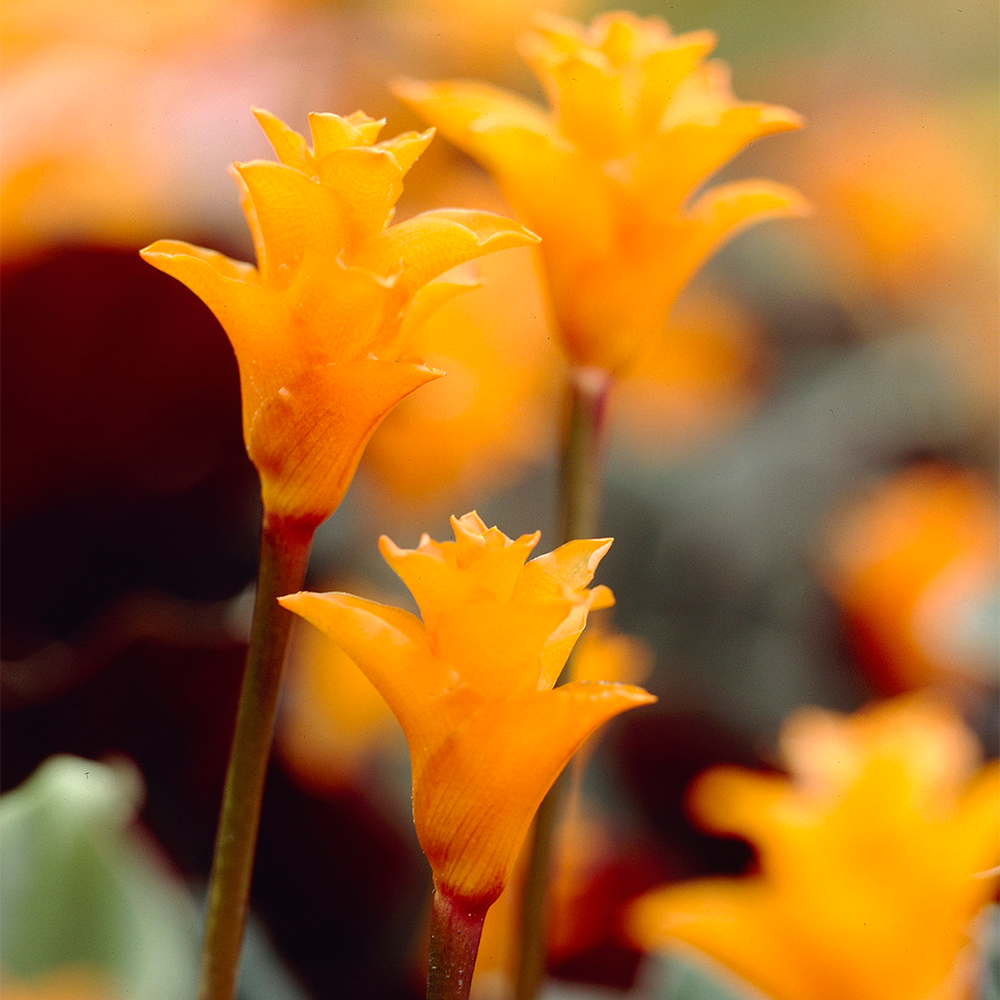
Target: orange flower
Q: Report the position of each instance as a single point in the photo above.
(319, 326)
(639, 121)
(875, 857)
(915, 565)
(471, 686)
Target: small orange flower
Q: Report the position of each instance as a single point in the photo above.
(875, 857)
(639, 121)
(915, 566)
(471, 686)
(319, 325)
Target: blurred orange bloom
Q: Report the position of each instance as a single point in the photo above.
(492, 417)
(875, 857)
(333, 722)
(319, 325)
(77, 168)
(696, 383)
(905, 186)
(471, 686)
(639, 122)
(870, 167)
(913, 565)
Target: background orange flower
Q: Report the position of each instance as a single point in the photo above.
(609, 176)
(875, 857)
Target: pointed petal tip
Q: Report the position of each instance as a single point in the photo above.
(792, 118)
(601, 597)
(601, 550)
(488, 227)
(162, 248)
(388, 547)
(301, 600)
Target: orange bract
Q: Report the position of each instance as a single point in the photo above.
(320, 324)
(875, 857)
(471, 684)
(608, 177)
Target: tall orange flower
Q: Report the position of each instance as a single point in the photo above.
(608, 177)
(320, 324)
(875, 857)
(471, 684)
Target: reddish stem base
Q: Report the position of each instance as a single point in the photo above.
(456, 927)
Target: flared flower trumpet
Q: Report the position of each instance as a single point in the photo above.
(471, 685)
(875, 857)
(609, 176)
(320, 324)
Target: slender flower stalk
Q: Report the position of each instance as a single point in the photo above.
(319, 328)
(284, 555)
(456, 928)
(582, 453)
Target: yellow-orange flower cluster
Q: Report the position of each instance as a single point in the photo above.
(875, 857)
(320, 324)
(471, 685)
(608, 177)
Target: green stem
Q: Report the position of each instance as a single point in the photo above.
(582, 455)
(579, 505)
(284, 555)
(456, 927)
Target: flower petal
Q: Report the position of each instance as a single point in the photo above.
(434, 242)
(569, 567)
(737, 801)
(290, 147)
(589, 100)
(475, 797)
(696, 150)
(465, 591)
(439, 581)
(432, 297)
(306, 440)
(293, 212)
(538, 170)
(725, 210)
(252, 315)
(408, 147)
(366, 182)
(331, 133)
(663, 70)
(564, 574)
(736, 911)
(391, 648)
(339, 313)
(467, 112)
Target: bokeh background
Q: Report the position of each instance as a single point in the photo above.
(801, 478)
